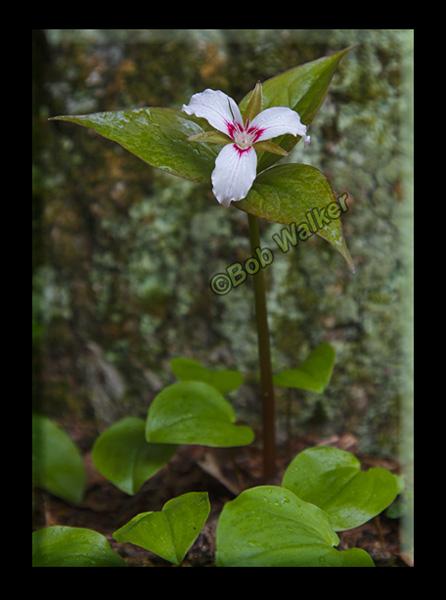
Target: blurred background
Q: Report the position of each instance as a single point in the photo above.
(123, 253)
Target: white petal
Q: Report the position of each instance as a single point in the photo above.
(234, 173)
(216, 107)
(279, 120)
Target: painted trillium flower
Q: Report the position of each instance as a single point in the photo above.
(236, 164)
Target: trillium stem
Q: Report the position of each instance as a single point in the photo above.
(266, 375)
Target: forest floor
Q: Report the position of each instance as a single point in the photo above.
(223, 473)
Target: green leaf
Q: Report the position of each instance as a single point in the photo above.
(331, 479)
(303, 89)
(187, 369)
(72, 547)
(193, 412)
(158, 136)
(212, 137)
(299, 196)
(270, 146)
(313, 374)
(269, 526)
(254, 104)
(57, 463)
(169, 532)
(124, 457)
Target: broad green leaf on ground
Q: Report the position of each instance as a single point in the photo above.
(303, 89)
(124, 457)
(72, 547)
(158, 137)
(331, 479)
(57, 465)
(313, 374)
(193, 412)
(187, 369)
(301, 197)
(269, 526)
(169, 532)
